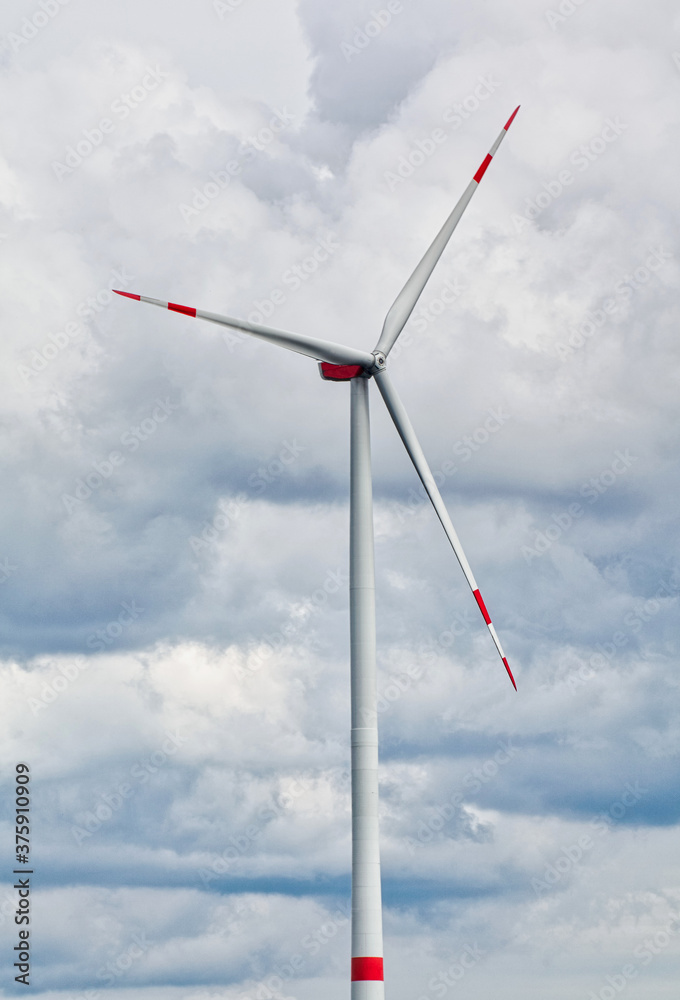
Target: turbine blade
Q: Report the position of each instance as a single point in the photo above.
(407, 434)
(404, 303)
(321, 350)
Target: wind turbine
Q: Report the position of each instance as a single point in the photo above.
(346, 364)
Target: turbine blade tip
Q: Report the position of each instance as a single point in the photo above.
(128, 295)
(509, 121)
(507, 667)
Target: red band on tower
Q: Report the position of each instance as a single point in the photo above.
(367, 968)
(128, 295)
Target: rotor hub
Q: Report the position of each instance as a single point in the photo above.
(380, 362)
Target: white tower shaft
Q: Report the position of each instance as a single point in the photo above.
(367, 942)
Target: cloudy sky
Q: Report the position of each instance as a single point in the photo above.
(174, 517)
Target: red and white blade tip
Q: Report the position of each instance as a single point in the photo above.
(509, 121)
(507, 667)
(489, 156)
(487, 618)
(172, 306)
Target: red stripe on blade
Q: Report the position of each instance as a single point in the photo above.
(482, 606)
(367, 968)
(509, 673)
(187, 310)
(128, 295)
(480, 173)
(509, 121)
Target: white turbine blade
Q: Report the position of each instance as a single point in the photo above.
(321, 350)
(407, 434)
(410, 293)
